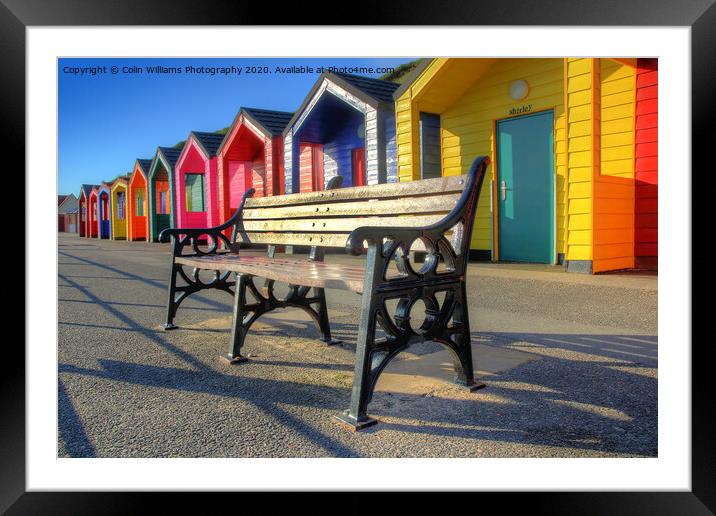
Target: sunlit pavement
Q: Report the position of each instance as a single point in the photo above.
(570, 363)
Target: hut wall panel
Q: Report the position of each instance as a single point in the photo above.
(256, 178)
(239, 175)
(580, 146)
(338, 155)
(646, 165)
(391, 149)
(613, 191)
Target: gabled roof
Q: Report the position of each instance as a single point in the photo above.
(269, 122)
(209, 142)
(144, 164)
(87, 189)
(273, 121)
(377, 88)
(68, 203)
(171, 154)
(61, 199)
(374, 92)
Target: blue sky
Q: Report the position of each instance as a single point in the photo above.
(108, 120)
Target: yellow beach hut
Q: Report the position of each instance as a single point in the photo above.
(561, 135)
(119, 208)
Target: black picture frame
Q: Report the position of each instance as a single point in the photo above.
(700, 15)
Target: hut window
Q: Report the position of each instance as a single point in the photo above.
(139, 208)
(120, 205)
(430, 159)
(194, 184)
(162, 204)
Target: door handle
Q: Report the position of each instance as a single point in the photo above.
(503, 190)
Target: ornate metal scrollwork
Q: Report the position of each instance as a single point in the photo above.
(246, 313)
(442, 271)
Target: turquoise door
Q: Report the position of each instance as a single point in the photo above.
(525, 188)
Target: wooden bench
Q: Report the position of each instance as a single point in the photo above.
(383, 221)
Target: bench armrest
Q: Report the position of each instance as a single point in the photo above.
(189, 236)
(465, 207)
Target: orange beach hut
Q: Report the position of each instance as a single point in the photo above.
(137, 225)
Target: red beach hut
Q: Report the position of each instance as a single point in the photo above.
(251, 155)
(93, 213)
(83, 206)
(137, 225)
(195, 184)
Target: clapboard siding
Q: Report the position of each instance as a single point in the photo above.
(337, 155)
(613, 194)
(581, 140)
(646, 165)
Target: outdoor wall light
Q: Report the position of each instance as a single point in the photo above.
(519, 89)
(361, 131)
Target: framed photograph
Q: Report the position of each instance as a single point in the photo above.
(451, 250)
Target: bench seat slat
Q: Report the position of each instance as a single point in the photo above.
(340, 224)
(452, 184)
(405, 206)
(310, 274)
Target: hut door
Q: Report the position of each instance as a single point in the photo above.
(358, 167)
(525, 188)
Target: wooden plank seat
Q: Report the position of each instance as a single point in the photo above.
(312, 273)
(385, 223)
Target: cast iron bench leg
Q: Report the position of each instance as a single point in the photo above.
(461, 345)
(240, 327)
(366, 370)
(172, 305)
(324, 324)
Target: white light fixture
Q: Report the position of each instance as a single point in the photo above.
(519, 89)
(361, 131)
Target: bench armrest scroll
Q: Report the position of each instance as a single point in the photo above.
(189, 236)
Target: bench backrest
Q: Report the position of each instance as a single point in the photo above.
(326, 218)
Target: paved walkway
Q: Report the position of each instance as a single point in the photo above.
(570, 362)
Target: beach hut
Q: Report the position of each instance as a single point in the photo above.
(161, 190)
(561, 135)
(118, 207)
(66, 204)
(195, 177)
(93, 216)
(103, 211)
(137, 225)
(345, 126)
(83, 212)
(251, 156)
